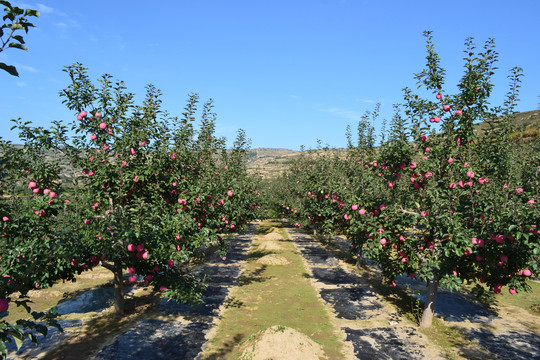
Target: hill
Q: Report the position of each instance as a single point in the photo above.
(270, 162)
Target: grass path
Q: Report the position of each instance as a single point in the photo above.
(271, 294)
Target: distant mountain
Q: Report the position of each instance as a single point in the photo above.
(270, 162)
(527, 125)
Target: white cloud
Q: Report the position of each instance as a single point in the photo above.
(224, 130)
(26, 67)
(21, 83)
(343, 113)
(366, 101)
(44, 9)
(293, 96)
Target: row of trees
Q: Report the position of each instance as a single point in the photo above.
(123, 185)
(437, 200)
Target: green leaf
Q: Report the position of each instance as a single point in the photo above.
(9, 68)
(19, 38)
(18, 339)
(42, 329)
(16, 26)
(17, 45)
(31, 12)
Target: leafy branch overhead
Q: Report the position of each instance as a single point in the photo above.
(14, 19)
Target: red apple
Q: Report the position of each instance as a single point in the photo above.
(4, 305)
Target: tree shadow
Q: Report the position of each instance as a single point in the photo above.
(255, 276)
(225, 349)
(508, 345)
(233, 302)
(257, 254)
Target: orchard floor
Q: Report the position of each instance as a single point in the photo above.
(333, 305)
(462, 329)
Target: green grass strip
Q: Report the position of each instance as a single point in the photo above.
(269, 295)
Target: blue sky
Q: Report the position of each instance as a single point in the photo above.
(287, 72)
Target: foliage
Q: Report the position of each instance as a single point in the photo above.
(123, 185)
(435, 201)
(14, 19)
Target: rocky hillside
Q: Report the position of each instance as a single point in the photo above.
(270, 162)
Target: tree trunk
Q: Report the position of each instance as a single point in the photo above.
(118, 291)
(359, 259)
(116, 269)
(431, 295)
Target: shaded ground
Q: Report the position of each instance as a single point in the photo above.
(384, 343)
(170, 330)
(180, 331)
(511, 334)
(362, 315)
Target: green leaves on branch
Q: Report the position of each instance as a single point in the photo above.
(14, 19)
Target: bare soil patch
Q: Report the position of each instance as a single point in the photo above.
(280, 342)
(272, 236)
(273, 259)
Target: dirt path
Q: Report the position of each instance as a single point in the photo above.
(274, 312)
(177, 331)
(372, 328)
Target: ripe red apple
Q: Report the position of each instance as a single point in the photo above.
(4, 305)
(131, 247)
(438, 96)
(94, 260)
(132, 270)
(103, 126)
(32, 184)
(527, 272)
